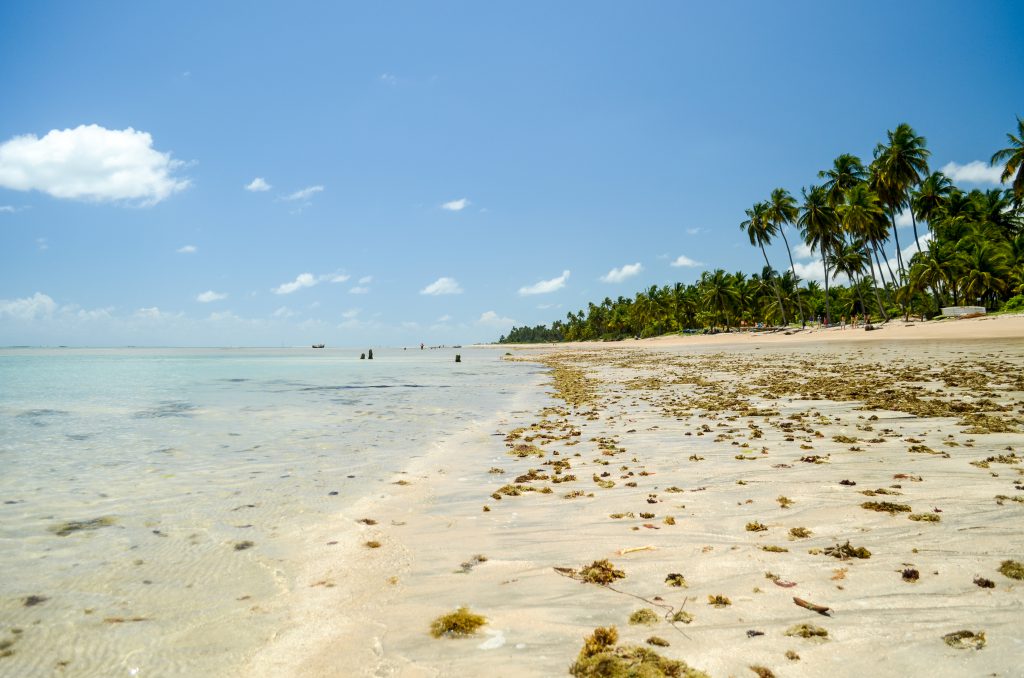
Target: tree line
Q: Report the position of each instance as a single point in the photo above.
(968, 249)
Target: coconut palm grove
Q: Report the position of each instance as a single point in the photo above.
(968, 249)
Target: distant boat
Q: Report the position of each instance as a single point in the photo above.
(318, 345)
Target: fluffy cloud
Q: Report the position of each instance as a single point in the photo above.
(694, 231)
(492, 319)
(445, 318)
(8, 209)
(283, 312)
(359, 289)
(684, 261)
(545, 286)
(28, 308)
(803, 251)
(617, 275)
(974, 172)
(351, 313)
(187, 249)
(366, 280)
(209, 296)
(305, 193)
(257, 185)
(336, 277)
(442, 286)
(302, 280)
(90, 162)
(455, 205)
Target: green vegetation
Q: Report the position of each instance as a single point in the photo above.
(972, 254)
(602, 658)
(458, 624)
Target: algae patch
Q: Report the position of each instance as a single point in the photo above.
(72, 526)
(965, 640)
(458, 624)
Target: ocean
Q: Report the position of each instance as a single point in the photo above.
(152, 500)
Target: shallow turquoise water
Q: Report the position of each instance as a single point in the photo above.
(191, 453)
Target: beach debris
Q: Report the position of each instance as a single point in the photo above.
(1012, 569)
(367, 521)
(495, 469)
(643, 616)
(761, 671)
(910, 575)
(799, 533)
(635, 549)
(523, 450)
(806, 631)
(965, 640)
(925, 517)
(754, 633)
(124, 620)
(602, 658)
(886, 507)
(72, 526)
(244, 545)
(458, 624)
(845, 551)
(984, 583)
(783, 583)
(467, 567)
(669, 520)
(372, 544)
(719, 600)
(657, 641)
(33, 600)
(756, 527)
(771, 548)
(820, 609)
(849, 483)
(784, 501)
(619, 516)
(601, 572)
(814, 459)
(682, 616)
(675, 579)
(792, 656)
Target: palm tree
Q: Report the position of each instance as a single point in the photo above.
(849, 259)
(930, 196)
(782, 210)
(898, 168)
(819, 227)
(760, 231)
(860, 216)
(719, 294)
(847, 171)
(1012, 158)
(985, 276)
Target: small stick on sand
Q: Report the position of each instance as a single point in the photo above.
(820, 609)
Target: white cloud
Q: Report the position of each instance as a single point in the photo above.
(92, 163)
(684, 261)
(151, 313)
(617, 275)
(305, 193)
(359, 290)
(258, 185)
(187, 249)
(283, 312)
(351, 313)
(8, 209)
(42, 244)
(545, 286)
(366, 280)
(209, 296)
(442, 286)
(803, 251)
(302, 280)
(336, 277)
(904, 219)
(694, 231)
(388, 78)
(974, 172)
(456, 205)
(445, 318)
(28, 308)
(545, 307)
(492, 319)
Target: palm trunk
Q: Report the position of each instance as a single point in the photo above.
(796, 281)
(824, 264)
(899, 253)
(917, 240)
(878, 295)
(778, 294)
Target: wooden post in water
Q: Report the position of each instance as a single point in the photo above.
(458, 358)
(371, 354)
(362, 356)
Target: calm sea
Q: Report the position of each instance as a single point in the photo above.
(149, 497)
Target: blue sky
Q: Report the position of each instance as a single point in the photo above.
(429, 165)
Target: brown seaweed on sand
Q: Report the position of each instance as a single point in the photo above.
(965, 640)
(1012, 569)
(886, 507)
(458, 624)
(845, 551)
(600, 657)
(806, 631)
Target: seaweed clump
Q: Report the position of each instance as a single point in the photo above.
(756, 527)
(601, 572)
(719, 601)
(886, 507)
(72, 526)
(799, 533)
(458, 624)
(675, 579)
(845, 551)
(1012, 569)
(806, 631)
(644, 616)
(965, 640)
(602, 658)
(925, 517)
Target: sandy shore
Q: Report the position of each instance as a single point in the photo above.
(737, 462)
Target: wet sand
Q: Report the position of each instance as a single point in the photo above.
(703, 460)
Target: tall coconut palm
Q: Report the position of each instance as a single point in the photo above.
(986, 266)
(720, 295)
(819, 227)
(760, 231)
(860, 216)
(782, 210)
(899, 167)
(849, 259)
(846, 172)
(1012, 159)
(930, 196)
